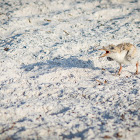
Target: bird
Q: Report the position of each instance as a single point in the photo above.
(124, 53)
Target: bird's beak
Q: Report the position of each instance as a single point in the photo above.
(103, 55)
(104, 49)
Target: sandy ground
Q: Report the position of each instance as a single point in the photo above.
(53, 85)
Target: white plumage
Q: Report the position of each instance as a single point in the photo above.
(124, 53)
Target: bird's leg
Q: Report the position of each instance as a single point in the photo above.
(137, 65)
(120, 69)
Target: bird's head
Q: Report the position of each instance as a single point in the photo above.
(109, 51)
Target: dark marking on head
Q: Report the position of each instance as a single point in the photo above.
(112, 48)
(109, 59)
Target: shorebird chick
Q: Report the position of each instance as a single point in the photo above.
(124, 53)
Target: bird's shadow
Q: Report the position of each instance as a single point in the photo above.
(66, 63)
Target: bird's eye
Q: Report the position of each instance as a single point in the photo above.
(112, 48)
(107, 51)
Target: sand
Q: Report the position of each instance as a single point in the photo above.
(53, 85)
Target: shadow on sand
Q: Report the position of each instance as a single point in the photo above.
(68, 63)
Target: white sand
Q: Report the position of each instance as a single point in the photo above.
(53, 85)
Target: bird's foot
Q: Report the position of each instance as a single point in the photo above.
(116, 74)
(136, 73)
